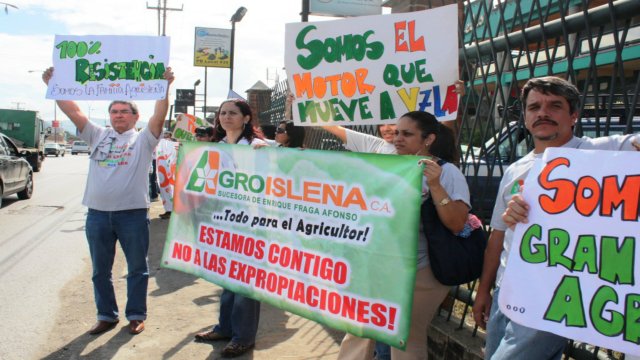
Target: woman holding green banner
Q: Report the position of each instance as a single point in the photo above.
(420, 133)
(239, 315)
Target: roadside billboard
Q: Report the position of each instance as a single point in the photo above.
(212, 47)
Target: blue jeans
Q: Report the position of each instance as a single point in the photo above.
(383, 351)
(239, 317)
(509, 340)
(131, 228)
(154, 188)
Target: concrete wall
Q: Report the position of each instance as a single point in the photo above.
(447, 342)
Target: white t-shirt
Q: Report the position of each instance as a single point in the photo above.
(365, 143)
(272, 143)
(513, 180)
(119, 169)
(456, 186)
(244, 141)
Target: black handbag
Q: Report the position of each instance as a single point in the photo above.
(455, 259)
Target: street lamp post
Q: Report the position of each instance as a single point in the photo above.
(195, 95)
(55, 105)
(234, 19)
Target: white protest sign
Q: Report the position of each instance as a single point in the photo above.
(166, 157)
(373, 69)
(95, 67)
(573, 268)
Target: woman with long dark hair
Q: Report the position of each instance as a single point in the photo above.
(289, 135)
(234, 124)
(420, 133)
(239, 315)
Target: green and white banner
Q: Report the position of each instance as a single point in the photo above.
(331, 236)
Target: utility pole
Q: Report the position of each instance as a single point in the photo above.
(6, 7)
(164, 9)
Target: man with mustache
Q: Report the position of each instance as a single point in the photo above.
(551, 108)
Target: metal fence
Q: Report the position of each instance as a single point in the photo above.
(594, 44)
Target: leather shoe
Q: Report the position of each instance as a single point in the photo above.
(211, 336)
(234, 349)
(102, 326)
(136, 327)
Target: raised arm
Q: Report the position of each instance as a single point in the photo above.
(68, 107)
(288, 104)
(156, 122)
(338, 131)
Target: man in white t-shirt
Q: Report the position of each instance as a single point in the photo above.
(118, 200)
(551, 108)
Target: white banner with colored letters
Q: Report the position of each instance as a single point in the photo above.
(573, 269)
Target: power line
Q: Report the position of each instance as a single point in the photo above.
(6, 7)
(163, 10)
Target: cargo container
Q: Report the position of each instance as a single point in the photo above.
(26, 129)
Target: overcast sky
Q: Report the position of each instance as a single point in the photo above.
(27, 34)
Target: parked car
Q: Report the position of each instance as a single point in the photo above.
(16, 175)
(54, 149)
(79, 147)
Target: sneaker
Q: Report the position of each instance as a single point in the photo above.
(233, 349)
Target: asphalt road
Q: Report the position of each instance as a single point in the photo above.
(47, 300)
(42, 246)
